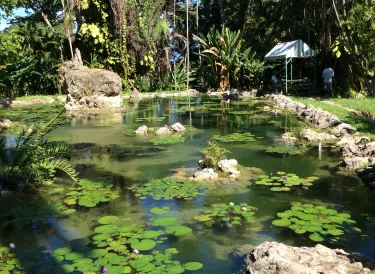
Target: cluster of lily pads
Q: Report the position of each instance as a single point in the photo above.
(151, 119)
(244, 112)
(234, 137)
(119, 249)
(90, 193)
(287, 150)
(285, 182)
(320, 222)
(167, 140)
(168, 188)
(228, 214)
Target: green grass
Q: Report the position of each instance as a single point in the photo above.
(33, 97)
(363, 124)
(365, 104)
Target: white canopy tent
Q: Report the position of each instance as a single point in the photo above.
(287, 51)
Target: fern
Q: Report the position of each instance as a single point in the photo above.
(33, 160)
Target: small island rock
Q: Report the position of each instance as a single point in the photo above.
(177, 127)
(142, 130)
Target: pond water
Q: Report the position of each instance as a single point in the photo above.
(106, 150)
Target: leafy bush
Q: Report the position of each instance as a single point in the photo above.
(213, 154)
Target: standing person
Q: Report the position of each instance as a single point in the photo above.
(275, 83)
(328, 75)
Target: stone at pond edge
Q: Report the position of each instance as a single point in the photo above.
(142, 130)
(90, 89)
(277, 258)
(5, 123)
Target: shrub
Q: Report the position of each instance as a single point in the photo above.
(213, 154)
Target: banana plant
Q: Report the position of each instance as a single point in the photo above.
(223, 52)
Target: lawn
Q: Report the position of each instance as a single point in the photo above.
(365, 104)
(363, 124)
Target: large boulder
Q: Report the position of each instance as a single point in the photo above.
(277, 258)
(177, 127)
(90, 89)
(207, 174)
(163, 131)
(142, 130)
(229, 166)
(311, 135)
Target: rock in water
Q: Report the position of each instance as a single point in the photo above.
(178, 127)
(277, 258)
(207, 174)
(90, 89)
(229, 166)
(163, 131)
(142, 130)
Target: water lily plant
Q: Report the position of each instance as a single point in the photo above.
(319, 222)
(285, 182)
(229, 215)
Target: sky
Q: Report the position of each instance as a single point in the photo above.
(17, 12)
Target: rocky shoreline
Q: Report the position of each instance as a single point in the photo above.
(358, 151)
(273, 257)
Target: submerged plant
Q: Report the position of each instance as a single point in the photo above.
(213, 154)
(287, 150)
(285, 182)
(102, 124)
(89, 193)
(229, 215)
(168, 188)
(234, 137)
(320, 222)
(167, 140)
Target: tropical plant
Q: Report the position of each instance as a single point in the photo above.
(212, 155)
(33, 160)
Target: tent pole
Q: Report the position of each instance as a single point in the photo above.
(286, 75)
(291, 69)
(315, 76)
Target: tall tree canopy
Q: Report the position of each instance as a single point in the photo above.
(145, 41)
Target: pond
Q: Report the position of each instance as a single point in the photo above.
(106, 150)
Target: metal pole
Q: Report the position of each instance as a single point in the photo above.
(286, 76)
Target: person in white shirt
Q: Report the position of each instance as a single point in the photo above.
(328, 75)
(275, 83)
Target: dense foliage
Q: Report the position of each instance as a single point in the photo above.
(147, 42)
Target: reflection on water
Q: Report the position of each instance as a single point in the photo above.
(112, 155)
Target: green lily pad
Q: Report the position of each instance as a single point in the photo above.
(316, 237)
(192, 266)
(179, 230)
(62, 251)
(160, 210)
(108, 220)
(143, 244)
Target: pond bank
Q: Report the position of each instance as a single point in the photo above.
(357, 150)
(273, 257)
